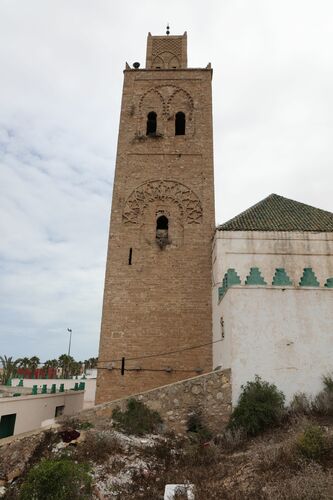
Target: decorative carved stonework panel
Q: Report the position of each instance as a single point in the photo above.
(166, 95)
(165, 190)
(161, 45)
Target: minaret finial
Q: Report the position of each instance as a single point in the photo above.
(168, 29)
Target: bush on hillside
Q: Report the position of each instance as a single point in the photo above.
(196, 426)
(99, 446)
(321, 404)
(301, 404)
(69, 423)
(328, 383)
(57, 480)
(311, 442)
(259, 407)
(231, 439)
(137, 419)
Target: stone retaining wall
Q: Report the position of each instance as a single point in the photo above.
(210, 392)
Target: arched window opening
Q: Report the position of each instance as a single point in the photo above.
(151, 123)
(162, 228)
(180, 123)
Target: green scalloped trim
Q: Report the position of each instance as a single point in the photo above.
(329, 283)
(230, 278)
(281, 278)
(255, 278)
(309, 278)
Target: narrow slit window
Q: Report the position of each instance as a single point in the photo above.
(151, 123)
(162, 228)
(130, 257)
(180, 123)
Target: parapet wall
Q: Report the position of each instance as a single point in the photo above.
(210, 392)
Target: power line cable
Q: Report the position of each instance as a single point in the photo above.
(161, 353)
(168, 370)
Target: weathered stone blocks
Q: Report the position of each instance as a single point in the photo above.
(211, 393)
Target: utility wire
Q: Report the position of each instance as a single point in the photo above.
(168, 370)
(161, 353)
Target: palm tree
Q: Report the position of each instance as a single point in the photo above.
(9, 368)
(50, 363)
(90, 363)
(23, 362)
(65, 363)
(75, 368)
(33, 364)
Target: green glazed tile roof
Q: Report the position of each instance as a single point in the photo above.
(276, 213)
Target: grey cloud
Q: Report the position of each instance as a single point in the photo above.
(61, 78)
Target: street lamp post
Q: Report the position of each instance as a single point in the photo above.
(70, 340)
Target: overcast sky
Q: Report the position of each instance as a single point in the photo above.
(61, 64)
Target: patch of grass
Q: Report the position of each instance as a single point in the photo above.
(200, 455)
(137, 419)
(260, 406)
(85, 425)
(323, 403)
(98, 447)
(74, 423)
(57, 480)
(208, 481)
(311, 443)
(283, 456)
(231, 439)
(309, 484)
(301, 404)
(162, 451)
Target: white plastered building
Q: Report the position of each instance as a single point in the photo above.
(273, 296)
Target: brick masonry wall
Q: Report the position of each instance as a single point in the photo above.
(161, 302)
(210, 392)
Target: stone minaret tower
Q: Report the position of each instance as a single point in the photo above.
(157, 296)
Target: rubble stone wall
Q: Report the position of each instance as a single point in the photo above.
(211, 393)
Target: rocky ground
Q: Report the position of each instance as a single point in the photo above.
(224, 467)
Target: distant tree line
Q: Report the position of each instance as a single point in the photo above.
(66, 365)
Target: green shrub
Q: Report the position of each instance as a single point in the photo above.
(75, 423)
(259, 407)
(311, 442)
(328, 383)
(322, 403)
(196, 427)
(57, 480)
(85, 425)
(137, 419)
(301, 404)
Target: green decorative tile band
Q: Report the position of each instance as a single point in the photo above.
(230, 278)
(281, 278)
(329, 283)
(309, 278)
(255, 278)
